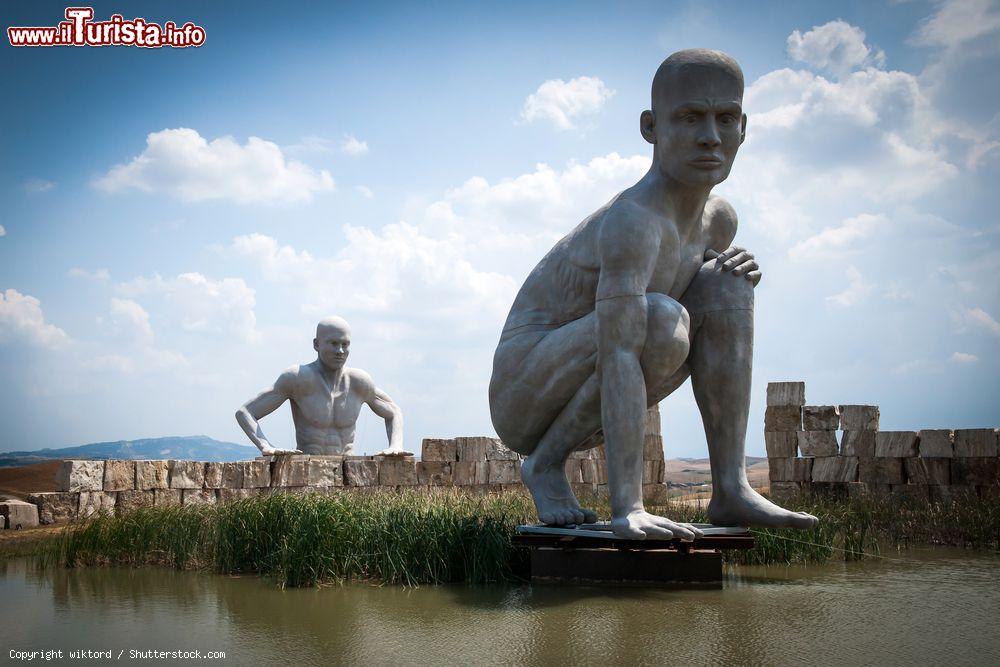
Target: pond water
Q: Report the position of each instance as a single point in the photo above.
(924, 606)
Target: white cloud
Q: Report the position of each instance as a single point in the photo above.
(365, 191)
(561, 101)
(979, 318)
(857, 289)
(352, 146)
(130, 315)
(957, 22)
(964, 358)
(833, 239)
(38, 185)
(98, 275)
(181, 163)
(837, 47)
(201, 304)
(3, 232)
(21, 318)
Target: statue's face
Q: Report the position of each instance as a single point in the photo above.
(698, 125)
(333, 345)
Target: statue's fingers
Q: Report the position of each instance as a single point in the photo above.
(736, 260)
(726, 254)
(745, 267)
(754, 277)
(711, 254)
(659, 532)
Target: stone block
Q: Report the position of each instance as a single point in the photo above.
(199, 497)
(256, 474)
(473, 448)
(470, 473)
(784, 490)
(438, 449)
(92, 502)
(55, 506)
(820, 418)
(780, 394)
(818, 443)
(186, 474)
(213, 475)
(601, 470)
(928, 471)
(152, 475)
(434, 473)
(829, 489)
(654, 493)
(582, 454)
(588, 470)
(896, 444)
(835, 469)
(19, 514)
(232, 475)
(360, 473)
(800, 469)
(326, 471)
(778, 469)
(781, 444)
(164, 497)
(652, 472)
(878, 471)
(290, 470)
(652, 448)
(504, 472)
(935, 443)
(229, 495)
(651, 422)
(133, 499)
(783, 418)
(972, 442)
(859, 417)
(397, 471)
(858, 443)
(497, 451)
(975, 471)
(80, 476)
(574, 473)
(119, 475)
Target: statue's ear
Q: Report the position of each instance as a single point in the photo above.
(647, 126)
(743, 128)
(316, 344)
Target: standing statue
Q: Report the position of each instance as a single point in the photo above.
(644, 293)
(326, 400)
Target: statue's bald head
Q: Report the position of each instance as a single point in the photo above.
(333, 341)
(690, 62)
(332, 323)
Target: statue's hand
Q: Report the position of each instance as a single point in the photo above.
(267, 450)
(393, 452)
(738, 260)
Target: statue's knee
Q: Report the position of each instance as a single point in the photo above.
(667, 335)
(713, 289)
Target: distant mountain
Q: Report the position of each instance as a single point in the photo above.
(751, 460)
(194, 447)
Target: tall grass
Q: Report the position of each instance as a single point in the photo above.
(439, 537)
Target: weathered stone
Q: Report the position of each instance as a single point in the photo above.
(928, 471)
(601, 470)
(504, 472)
(588, 470)
(783, 418)
(80, 476)
(575, 474)
(784, 490)
(186, 474)
(652, 472)
(582, 454)
(896, 444)
(975, 471)
(360, 473)
(256, 474)
(213, 475)
(654, 493)
(163, 497)
(396, 471)
(19, 514)
(289, 470)
(497, 451)
(820, 418)
(935, 443)
(199, 497)
(780, 394)
(92, 502)
(972, 442)
(228, 495)
(438, 449)
(119, 475)
(152, 475)
(837, 469)
(858, 443)
(55, 506)
(652, 421)
(470, 473)
(781, 444)
(652, 448)
(778, 469)
(859, 417)
(473, 448)
(877, 471)
(132, 499)
(232, 475)
(325, 471)
(800, 469)
(434, 473)
(818, 443)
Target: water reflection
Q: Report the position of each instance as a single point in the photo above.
(932, 606)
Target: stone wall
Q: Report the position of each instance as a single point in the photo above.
(476, 464)
(804, 451)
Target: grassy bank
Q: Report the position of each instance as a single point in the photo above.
(415, 538)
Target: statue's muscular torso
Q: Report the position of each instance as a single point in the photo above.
(325, 416)
(563, 286)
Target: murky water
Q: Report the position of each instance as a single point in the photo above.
(928, 607)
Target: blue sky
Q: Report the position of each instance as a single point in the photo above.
(175, 221)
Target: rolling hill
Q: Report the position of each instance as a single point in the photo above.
(195, 447)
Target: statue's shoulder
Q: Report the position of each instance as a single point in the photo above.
(360, 379)
(721, 222)
(293, 375)
(628, 226)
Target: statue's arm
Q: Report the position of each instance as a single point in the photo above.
(262, 405)
(721, 220)
(386, 408)
(628, 248)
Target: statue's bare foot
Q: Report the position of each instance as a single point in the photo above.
(554, 499)
(745, 507)
(640, 524)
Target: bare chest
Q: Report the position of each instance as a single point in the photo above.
(677, 263)
(323, 406)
